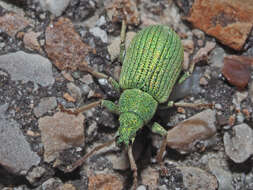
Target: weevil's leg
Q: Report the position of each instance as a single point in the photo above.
(159, 156)
(158, 129)
(187, 73)
(100, 75)
(190, 105)
(122, 40)
(80, 109)
(82, 160)
(112, 107)
(133, 166)
(105, 103)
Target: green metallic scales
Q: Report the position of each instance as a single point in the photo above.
(153, 62)
(136, 108)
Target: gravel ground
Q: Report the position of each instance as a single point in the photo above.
(44, 50)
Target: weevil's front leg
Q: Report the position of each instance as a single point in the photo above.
(112, 107)
(122, 40)
(158, 129)
(82, 160)
(159, 156)
(133, 166)
(190, 105)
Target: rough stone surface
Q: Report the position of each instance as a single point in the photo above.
(237, 70)
(11, 23)
(224, 177)
(15, 152)
(240, 146)
(28, 67)
(216, 57)
(59, 132)
(35, 174)
(150, 177)
(67, 186)
(46, 104)
(105, 182)
(119, 162)
(98, 32)
(55, 7)
(203, 53)
(195, 178)
(114, 49)
(184, 136)
(64, 46)
(31, 41)
(230, 21)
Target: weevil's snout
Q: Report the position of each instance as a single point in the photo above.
(130, 123)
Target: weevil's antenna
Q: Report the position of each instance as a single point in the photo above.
(133, 166)
(82, 160)
(81, 109)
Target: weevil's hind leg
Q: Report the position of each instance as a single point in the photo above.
(100, 75)
(187, 73)
(122, 40)
(190, 105)
(112, 107)
(133, 167)
(82, 160)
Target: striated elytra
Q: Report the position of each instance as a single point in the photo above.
(150, 69)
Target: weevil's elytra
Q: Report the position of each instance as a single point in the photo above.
(153, 62)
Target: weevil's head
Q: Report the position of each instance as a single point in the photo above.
(136, 109)
(130, 123)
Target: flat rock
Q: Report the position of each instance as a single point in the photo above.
(224, 177)
(105, 182)
(198, 128)
(196, 178)
(230, 21)
(28, 67)
(46, 104)
(55, 7)
(98, 32)
(236, 70)
(15, 152)
(11, 23)
(240, 146)
(64, 46)
(59, 132)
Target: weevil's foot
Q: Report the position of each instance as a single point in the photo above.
(67, 110)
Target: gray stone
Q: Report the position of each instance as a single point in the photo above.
(141, 187)
(251, 92)
(239, 147)
(74, 91)
(28, 67)
(119, 162)
(224, 177)
(101, 21)
(56, 7)
(46, 104)
(216, 57)
(195, 178)
(98, 32)
(35, 174)
(188, 87)
(15, 152)
(198, 128)
(51, 183)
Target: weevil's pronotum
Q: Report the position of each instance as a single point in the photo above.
(151, 67)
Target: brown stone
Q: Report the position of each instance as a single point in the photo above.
(230, 21)
(59, 132)
(124, 9)
(236, 70)
(64, 46)
(150, 177)
(68, 97)
(105, 182)
(31, 41)
(11, 23)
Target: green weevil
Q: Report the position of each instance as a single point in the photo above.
(151, 67)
